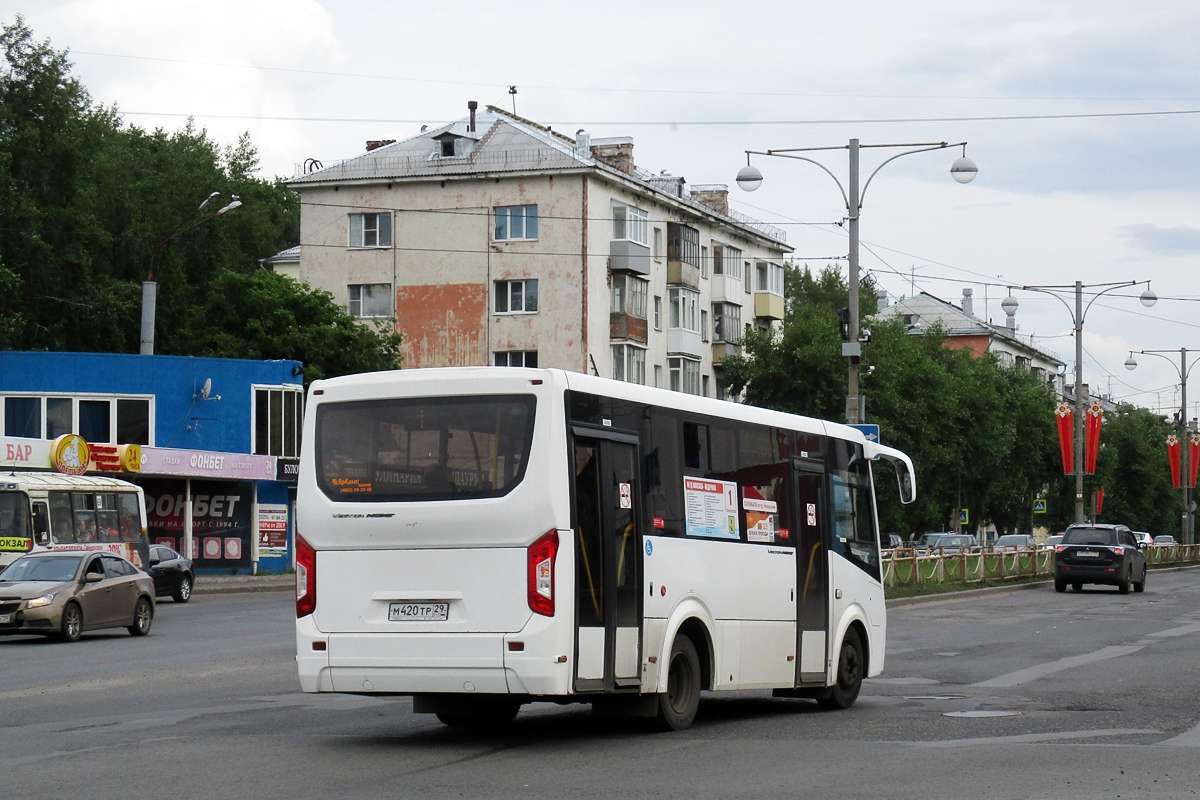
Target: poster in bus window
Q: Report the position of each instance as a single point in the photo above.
(221, 512)
(710, 508)
(762, 515)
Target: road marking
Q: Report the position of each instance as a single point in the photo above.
(1032, 738)
(1042, 670)
(1183, 630)
(1186, 739)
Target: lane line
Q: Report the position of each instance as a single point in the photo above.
(1183, 630)
(1186, 739)
(1042, 670)
(1032, 738)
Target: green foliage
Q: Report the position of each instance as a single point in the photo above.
(85, 201)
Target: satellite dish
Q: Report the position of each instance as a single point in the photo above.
(207, 388)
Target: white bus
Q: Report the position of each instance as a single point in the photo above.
(483, 537)
(52, 511)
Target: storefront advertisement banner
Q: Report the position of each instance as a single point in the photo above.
(221, 514)
(272, 529)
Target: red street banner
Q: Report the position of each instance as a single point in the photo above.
(1173, 458)
(1066, 436)
(1194, 455)
(1099, 500)
(1095, 417)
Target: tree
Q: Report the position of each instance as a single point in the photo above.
(84, 200)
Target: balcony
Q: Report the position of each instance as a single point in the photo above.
(624, 327)
(685, 342)
(768, 305)
(681, 273)
(625, 255)
(722, 350)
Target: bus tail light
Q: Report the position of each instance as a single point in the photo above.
(306, 578)
(541, 574)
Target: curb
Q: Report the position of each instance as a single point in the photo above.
(250, 584)
(967, 594)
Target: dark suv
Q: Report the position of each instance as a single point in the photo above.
(1099, 553)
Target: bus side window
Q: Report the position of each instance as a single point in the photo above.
(84, 507)
(108, 526)
(41, 524)
(62, 523)
(131, 520)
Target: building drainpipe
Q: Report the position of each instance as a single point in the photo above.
(187, 518)
(584, 337)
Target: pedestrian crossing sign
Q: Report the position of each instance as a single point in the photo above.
(1039, 506)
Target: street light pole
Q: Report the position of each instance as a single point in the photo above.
(750, 178)
(1147, 298)
(1187, 526)
(150, 286)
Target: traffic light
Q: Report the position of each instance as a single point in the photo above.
(844, 323)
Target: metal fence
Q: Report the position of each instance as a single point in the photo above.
(907, 567)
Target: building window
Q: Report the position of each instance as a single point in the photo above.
(703, 325)
(703, 262)
(371, 230)
(769, 277)
(746, 274)
(658, 376)
(685, 307)
(657, 244)
(657, 313)
(515, 358)
(683, 244)
(704, 386)
(370, 300)
(516, 223)
(629, 295)
(517, 297)
(630, 223)
(727, 323)
(95, 418)
(727, 261)
(684, 375)
(278, 420)
(629, 363)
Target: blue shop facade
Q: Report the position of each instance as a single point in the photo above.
(214, 442)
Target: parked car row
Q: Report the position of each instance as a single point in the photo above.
(65, 593)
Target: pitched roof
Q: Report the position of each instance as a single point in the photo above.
(508, 143)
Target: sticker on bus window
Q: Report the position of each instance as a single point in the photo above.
(710, 508)
(812, 513)
(626, 496)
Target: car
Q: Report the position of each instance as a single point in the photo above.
(951, 544)
(922, 542)
(172, 573)
(1053, 541)
(891, 541)
(65, 593)
(1099, 553)
(1014, 541)
(1164, 540)
(1143, 538)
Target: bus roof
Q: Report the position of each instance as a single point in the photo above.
(24, 481)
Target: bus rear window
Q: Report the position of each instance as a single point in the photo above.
(429, 448)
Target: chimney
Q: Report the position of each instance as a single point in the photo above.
(471, 106)
(375, 144)
(713, 195)
(583, 143)
(616, 151)
(968, 304)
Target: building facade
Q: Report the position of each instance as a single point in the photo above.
(494, 240)
(214, 442)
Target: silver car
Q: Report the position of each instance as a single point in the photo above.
(64, 593)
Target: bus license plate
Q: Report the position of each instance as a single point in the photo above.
(1088, 554)
(418, 612)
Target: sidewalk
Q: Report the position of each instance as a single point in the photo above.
(224, 584)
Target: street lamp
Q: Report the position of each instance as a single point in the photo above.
(1182, 371)
(750, 178)
(1147, 298)
(150, 286)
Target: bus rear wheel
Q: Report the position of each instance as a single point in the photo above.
(845, 691)
(487, 713)
(677, 706)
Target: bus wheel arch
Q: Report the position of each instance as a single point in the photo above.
(695, 629)
(850, 664)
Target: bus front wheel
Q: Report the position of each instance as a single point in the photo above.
(845, 691)
(678, 705)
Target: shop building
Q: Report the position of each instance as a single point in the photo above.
(214, 442)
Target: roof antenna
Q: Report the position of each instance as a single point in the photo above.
(512, 89)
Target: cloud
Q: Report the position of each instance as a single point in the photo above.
(1155, 239)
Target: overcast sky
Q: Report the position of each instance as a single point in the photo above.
(1109, 193)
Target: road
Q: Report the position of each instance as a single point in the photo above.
(1018, 694)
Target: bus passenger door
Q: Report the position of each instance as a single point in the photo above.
(608, 563)
(812, 584)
